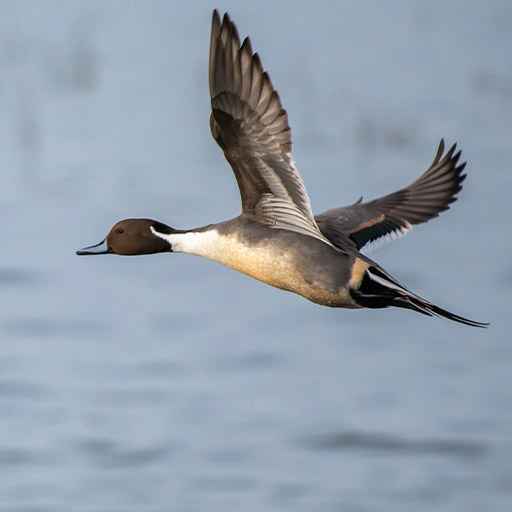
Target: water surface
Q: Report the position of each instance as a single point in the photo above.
(170, 383)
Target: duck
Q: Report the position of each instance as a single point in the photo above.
(277, 239)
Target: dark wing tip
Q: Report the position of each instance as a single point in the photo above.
(246, 45)
(226, 20)
(440, 151)
(257, 62)
(216, 24)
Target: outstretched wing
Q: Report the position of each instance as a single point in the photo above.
(394, 214)
(250, 125)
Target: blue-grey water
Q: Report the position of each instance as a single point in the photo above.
(168, 383)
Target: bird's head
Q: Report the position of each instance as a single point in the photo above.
(131, 237)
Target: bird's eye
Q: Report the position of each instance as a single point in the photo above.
(119, 231)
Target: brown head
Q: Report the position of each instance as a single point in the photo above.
(130, 237)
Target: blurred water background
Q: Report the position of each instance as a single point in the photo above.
(170, 383)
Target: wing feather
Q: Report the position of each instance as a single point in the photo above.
(251, 126)
(394, 214)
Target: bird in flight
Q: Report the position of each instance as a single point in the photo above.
(277, 239)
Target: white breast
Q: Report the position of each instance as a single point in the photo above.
(263, 262)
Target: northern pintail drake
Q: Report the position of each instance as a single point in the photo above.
(277, 239)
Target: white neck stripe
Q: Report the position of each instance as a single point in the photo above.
(201, 243)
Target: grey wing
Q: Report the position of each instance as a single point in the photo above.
(250, 125)
(394, 214)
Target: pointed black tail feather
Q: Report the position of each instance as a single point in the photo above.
(425, 307)
(379, 290)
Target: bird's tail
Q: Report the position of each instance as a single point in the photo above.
(379, 290)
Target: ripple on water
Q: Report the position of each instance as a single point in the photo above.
(38, 327)
(17, 277)
(107, 454)
(225, 483)
(11, 388)
(254, 360)
(376, 442)
(156, 369)
(14, 457)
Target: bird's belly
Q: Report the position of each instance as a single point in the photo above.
(281, 267)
